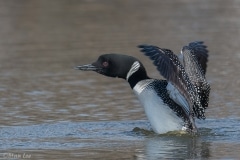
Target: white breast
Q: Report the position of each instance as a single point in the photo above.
(161, 117)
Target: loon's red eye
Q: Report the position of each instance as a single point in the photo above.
(105, 64)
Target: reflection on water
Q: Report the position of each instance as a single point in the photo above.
(49, 110)
(173, 147)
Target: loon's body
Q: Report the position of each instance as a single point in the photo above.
(164, 115)
(170, 104)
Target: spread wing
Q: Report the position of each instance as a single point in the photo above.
(195, 63)
(200, 52)
(170, 68)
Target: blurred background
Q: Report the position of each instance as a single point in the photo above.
(41, 42)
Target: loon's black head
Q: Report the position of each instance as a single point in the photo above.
(118, 65)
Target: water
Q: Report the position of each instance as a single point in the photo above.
(50, 111)
(115, 139)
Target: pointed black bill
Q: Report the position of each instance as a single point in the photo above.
(87, 67)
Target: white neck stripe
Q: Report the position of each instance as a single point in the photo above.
(134, 68)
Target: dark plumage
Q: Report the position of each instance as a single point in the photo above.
(190, 79)
(195, 63)
(176, 100)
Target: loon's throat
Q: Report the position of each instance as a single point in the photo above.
(140, 86)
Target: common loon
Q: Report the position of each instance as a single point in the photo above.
(170, 104)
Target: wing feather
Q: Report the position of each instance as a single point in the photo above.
(199, 50)
(195, 62)
(170, 68)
